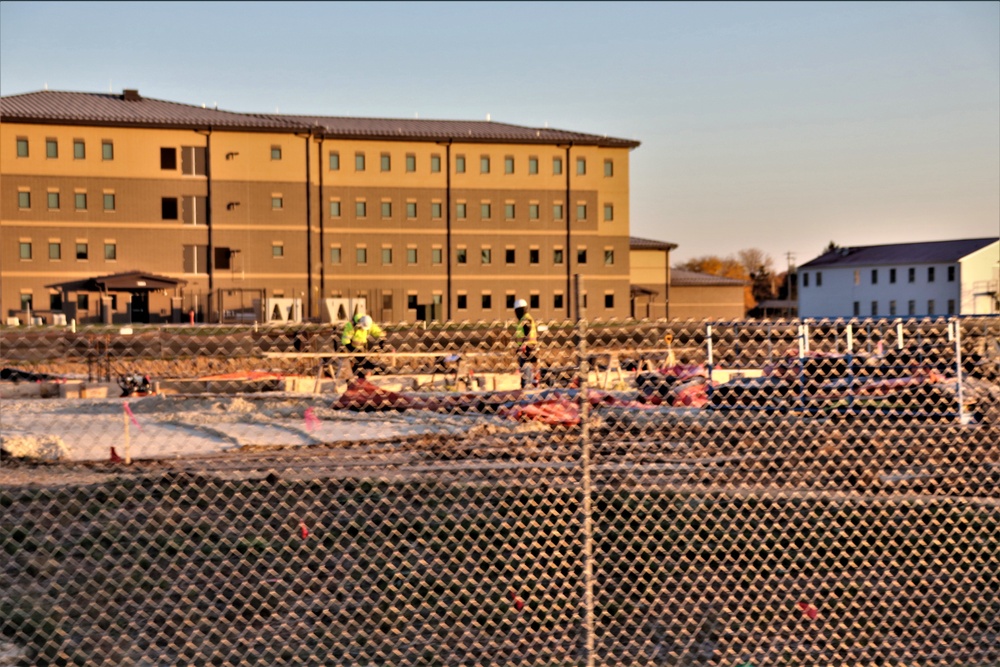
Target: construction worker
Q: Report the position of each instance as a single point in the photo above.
(360, 333)
(526, 339)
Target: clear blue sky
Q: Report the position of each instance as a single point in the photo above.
(777, 125)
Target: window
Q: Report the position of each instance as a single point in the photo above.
(436, 210)
(609, 257)
(581, 256)
(533, 256)
(508, 211)
(386, 302)
(411, 255)
(533, 213)
(53, 199)
(581, 211)
(168, 158)
(556, 166)
(874, 308)
(109, 202)
(487, 256)
(911, 275)
(609, 168)
(805, 279)
(951, 306)
(487, 301)
(461, 256)
(609, 212)
(411, 301)
(857, 277)
(168, 208)
(892, 307)
(107, 150)
(110, 251)
(557, 211)
(411, 209)
(387, 255)
(484, 164)
(437, 256)
(360, 209)
(55, 250)
(911, 307)
(510, 300)
(51, 148)
(609, 300)
(277, 250)
(335, 209)
(930, 274)
(275, 152)
(359, 162)
(485, 211)
(27, 303)
(533, 301)
(508, 165)
(83, 302)
(930, 306)
(462, 301)
(80, 199)
(195, 258)
(277, 203)
(411, 162)
(82, 251)
(24, 199)
(223, 258)
(25, 250)
(557, 300)
(874, 276)
(361, 255)
(510, 256)
(334, 161)
(857, 309)
(581, 166)
(532, 165)
(819, 279)
(336, 257)
(459, 164)
(55, 301)
(435, 164)
(951, 276)
(460, 211)
(557, 256)
(387, 209)
(386, 162)
(22, 147)
(194, 161)
(892, 276)
(79, 149)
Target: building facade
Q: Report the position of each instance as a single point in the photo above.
(909, 279)
(421, 219)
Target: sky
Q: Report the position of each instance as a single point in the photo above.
(781, 126)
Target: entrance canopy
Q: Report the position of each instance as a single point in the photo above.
(132, 281)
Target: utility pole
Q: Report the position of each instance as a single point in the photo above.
(788, 280)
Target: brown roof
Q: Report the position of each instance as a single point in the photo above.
(131, 281)
(637, 243)
(681, 278)
(131, 109)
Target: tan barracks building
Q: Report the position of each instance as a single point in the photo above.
(127, 209)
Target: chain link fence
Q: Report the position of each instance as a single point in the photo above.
(732, 494)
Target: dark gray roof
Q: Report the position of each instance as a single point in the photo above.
(132, 110)
(682, 278)
(932, 252)
(637, 243)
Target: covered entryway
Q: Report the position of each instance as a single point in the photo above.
(151, 298)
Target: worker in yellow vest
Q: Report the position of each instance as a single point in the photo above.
(526, 340)
(360, 333)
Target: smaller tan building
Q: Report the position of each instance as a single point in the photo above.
(660, 292)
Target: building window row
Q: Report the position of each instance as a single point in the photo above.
(462, 255)
(911, 308)
(486, 210)
(911, 276)
(53, 200)
(79, 148)
(81, 250)
(461, 164)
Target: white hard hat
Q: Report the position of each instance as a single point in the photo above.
(365, 322)
(520, 303)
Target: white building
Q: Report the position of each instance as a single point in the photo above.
(936, 278)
